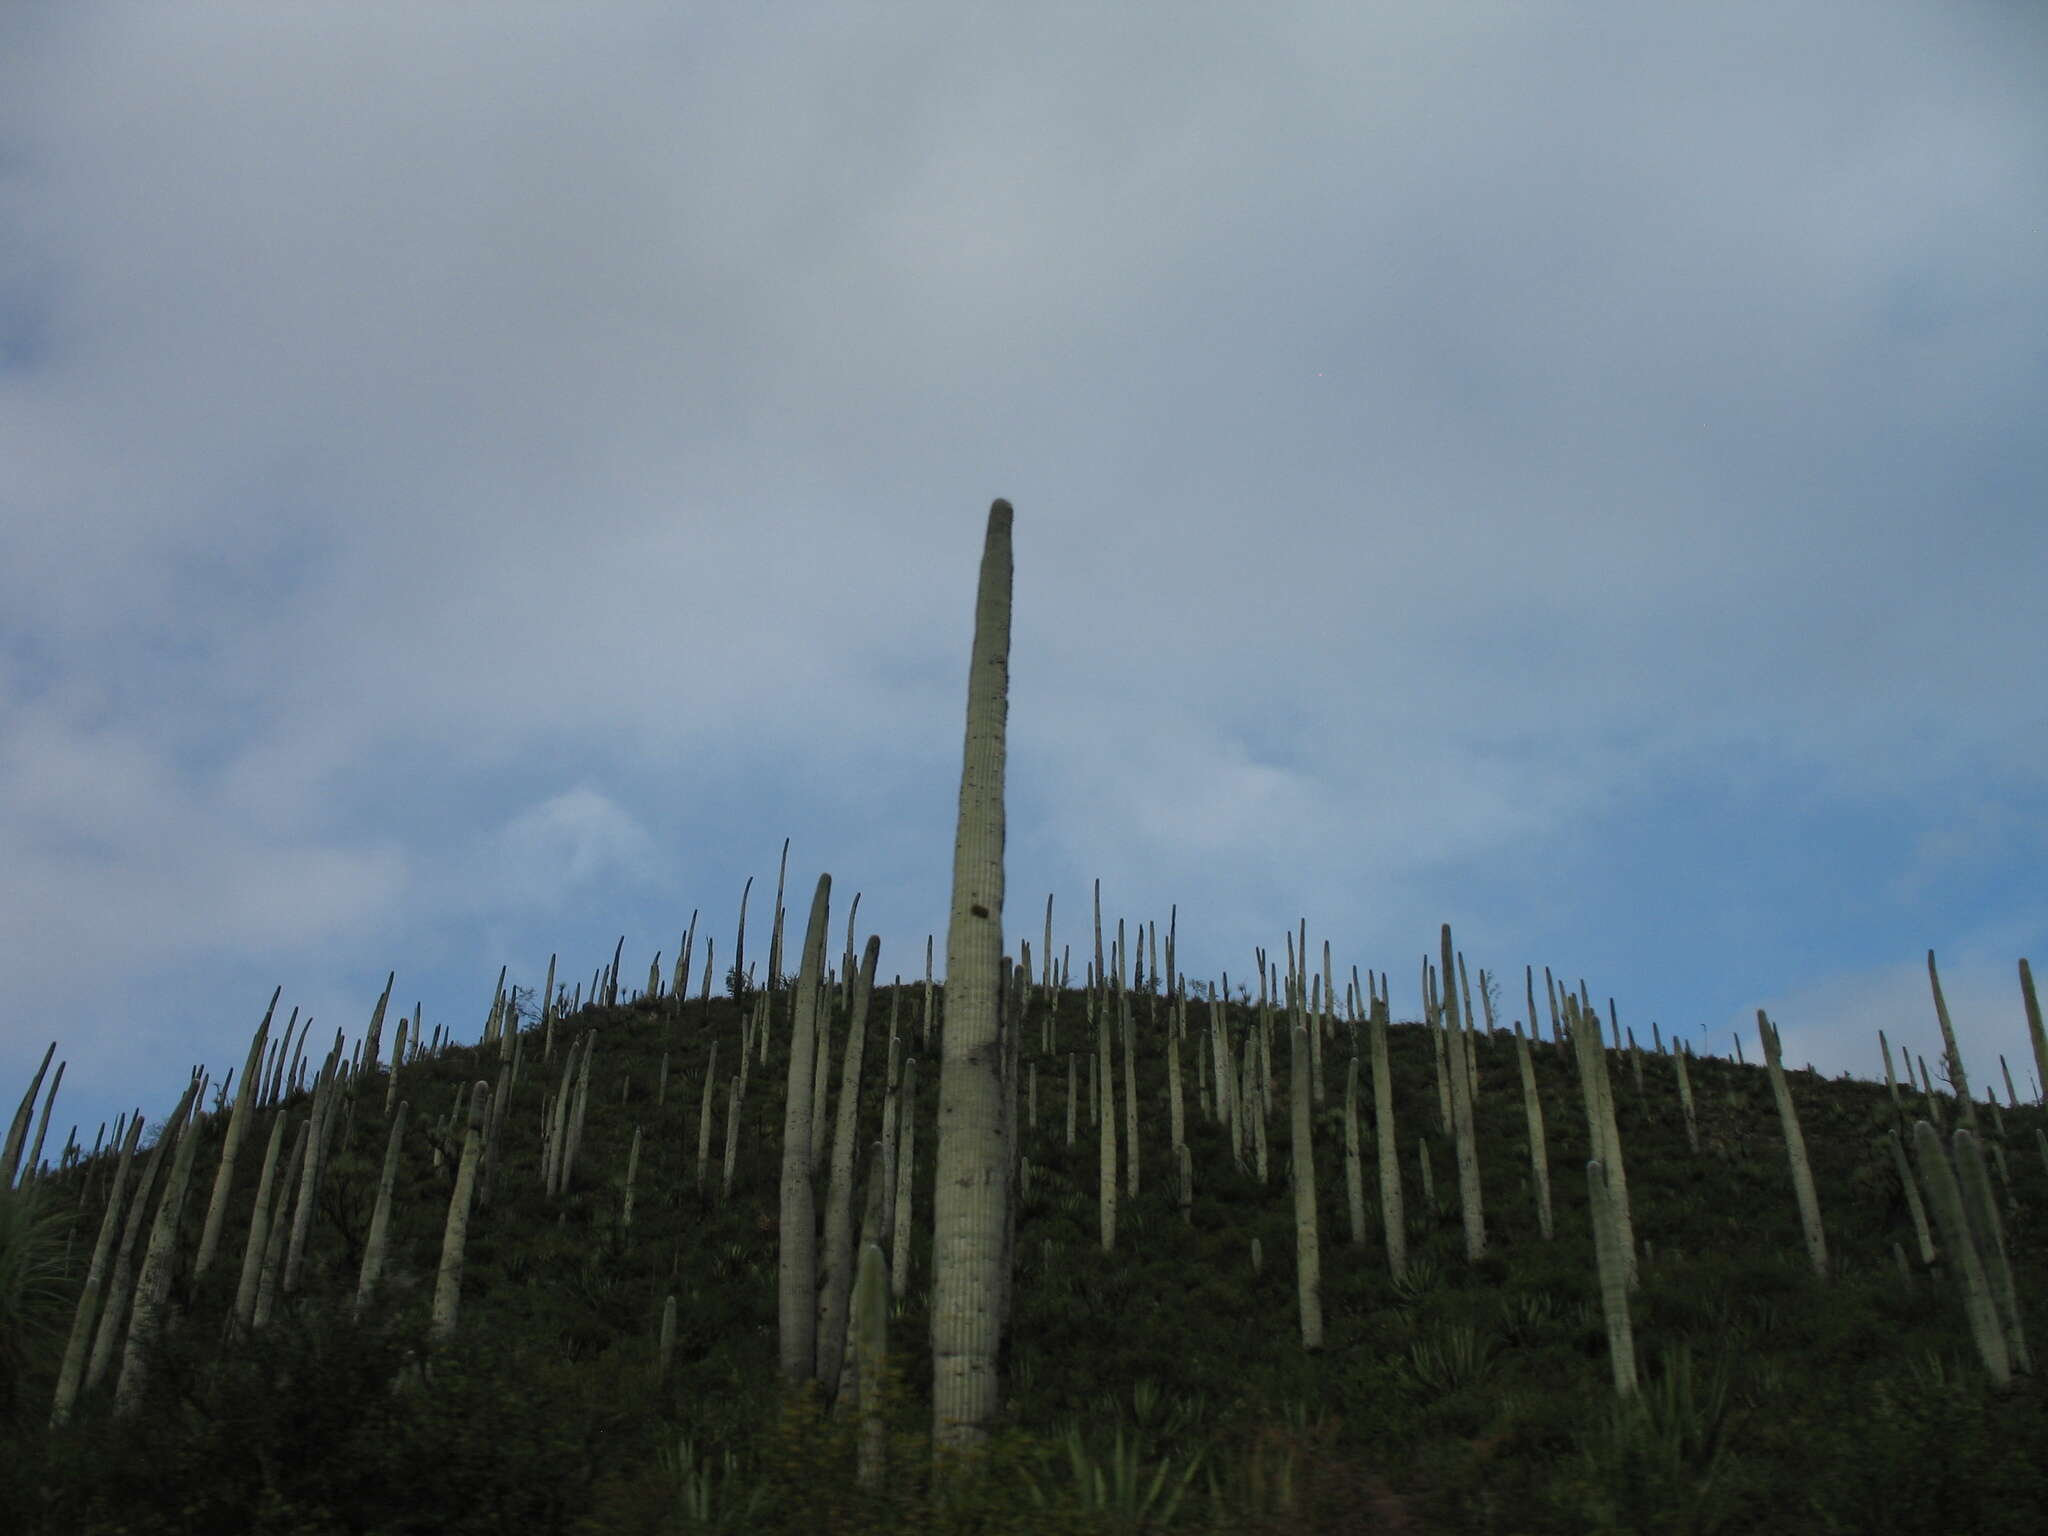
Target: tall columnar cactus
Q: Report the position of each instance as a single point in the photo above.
(870, 1356)
(259, 1227)
(238, 1127)
(906, 1166)
(1354, 1168)
(797, 1263)
(1613, 1261)
(1308, 1261)
(1795, 1151)
(1603, 1133)
(1915, 1206)
(1460, 1048)
(971, 1209)
(455, 1235)
(70, 1373)
(1103, 1103)
(376, 1244)
(1980, 1208)
(272, 1265)
(1692, 1124)
(2034, 1030)
(1951, 1052)
(1532, 1112)
(1959, 1247)
(153, 1285)
(1393, 1219)
(838, 1273)
(17, 1132)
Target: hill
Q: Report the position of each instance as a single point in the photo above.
(1163, 1384)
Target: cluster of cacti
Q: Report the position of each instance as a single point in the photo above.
(836, 1279)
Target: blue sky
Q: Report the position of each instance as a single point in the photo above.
(479, 478)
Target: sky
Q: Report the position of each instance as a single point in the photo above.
(478, 478)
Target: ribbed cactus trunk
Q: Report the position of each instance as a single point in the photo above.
(1103, 1102)
(1532, 1112)
(1393, 1217)
(1462, 1091)
(238, 1127)
(1308, 1260)
(906, 1167)
(272, 1260)
(2035, 1032)
(1951, 1052)
(70, 1374)
(837, 1279)
(1602, 1132)
(375, 1246)
(153, 1285)
(1795, 1151)
(797, 1260)
(1980, 1208)
(971, 1205)
(1613, 1260)
(1960, 1247)
(1354, 1167)
(455, 1235)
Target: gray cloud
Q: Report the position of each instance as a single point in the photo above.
(449, 443)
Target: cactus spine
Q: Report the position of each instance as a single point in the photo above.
(971, 1209)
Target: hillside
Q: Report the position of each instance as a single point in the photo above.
(1161, 1385)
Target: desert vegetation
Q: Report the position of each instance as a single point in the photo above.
(1025, 1250)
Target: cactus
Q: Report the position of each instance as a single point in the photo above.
(704, 1113)
(376, 1244)
(1951, 1053)
(1987, 1232)
(1461, 1050)
(17, 1132)
(1532, 1111)
(1613, 1261)
(1603, 1134)
(70, 1373)
(2035, 1032)
(455, 1235)
(1308, 1266)
(837, 1280)
(797, 1264)
(273, 1247)
(1960, 1246)
(906, 1163)
(1354, 1171)
(971, 1209)
(1692, 1124)
(153, 1284)
(1795, 1150)
(1393, 1221)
